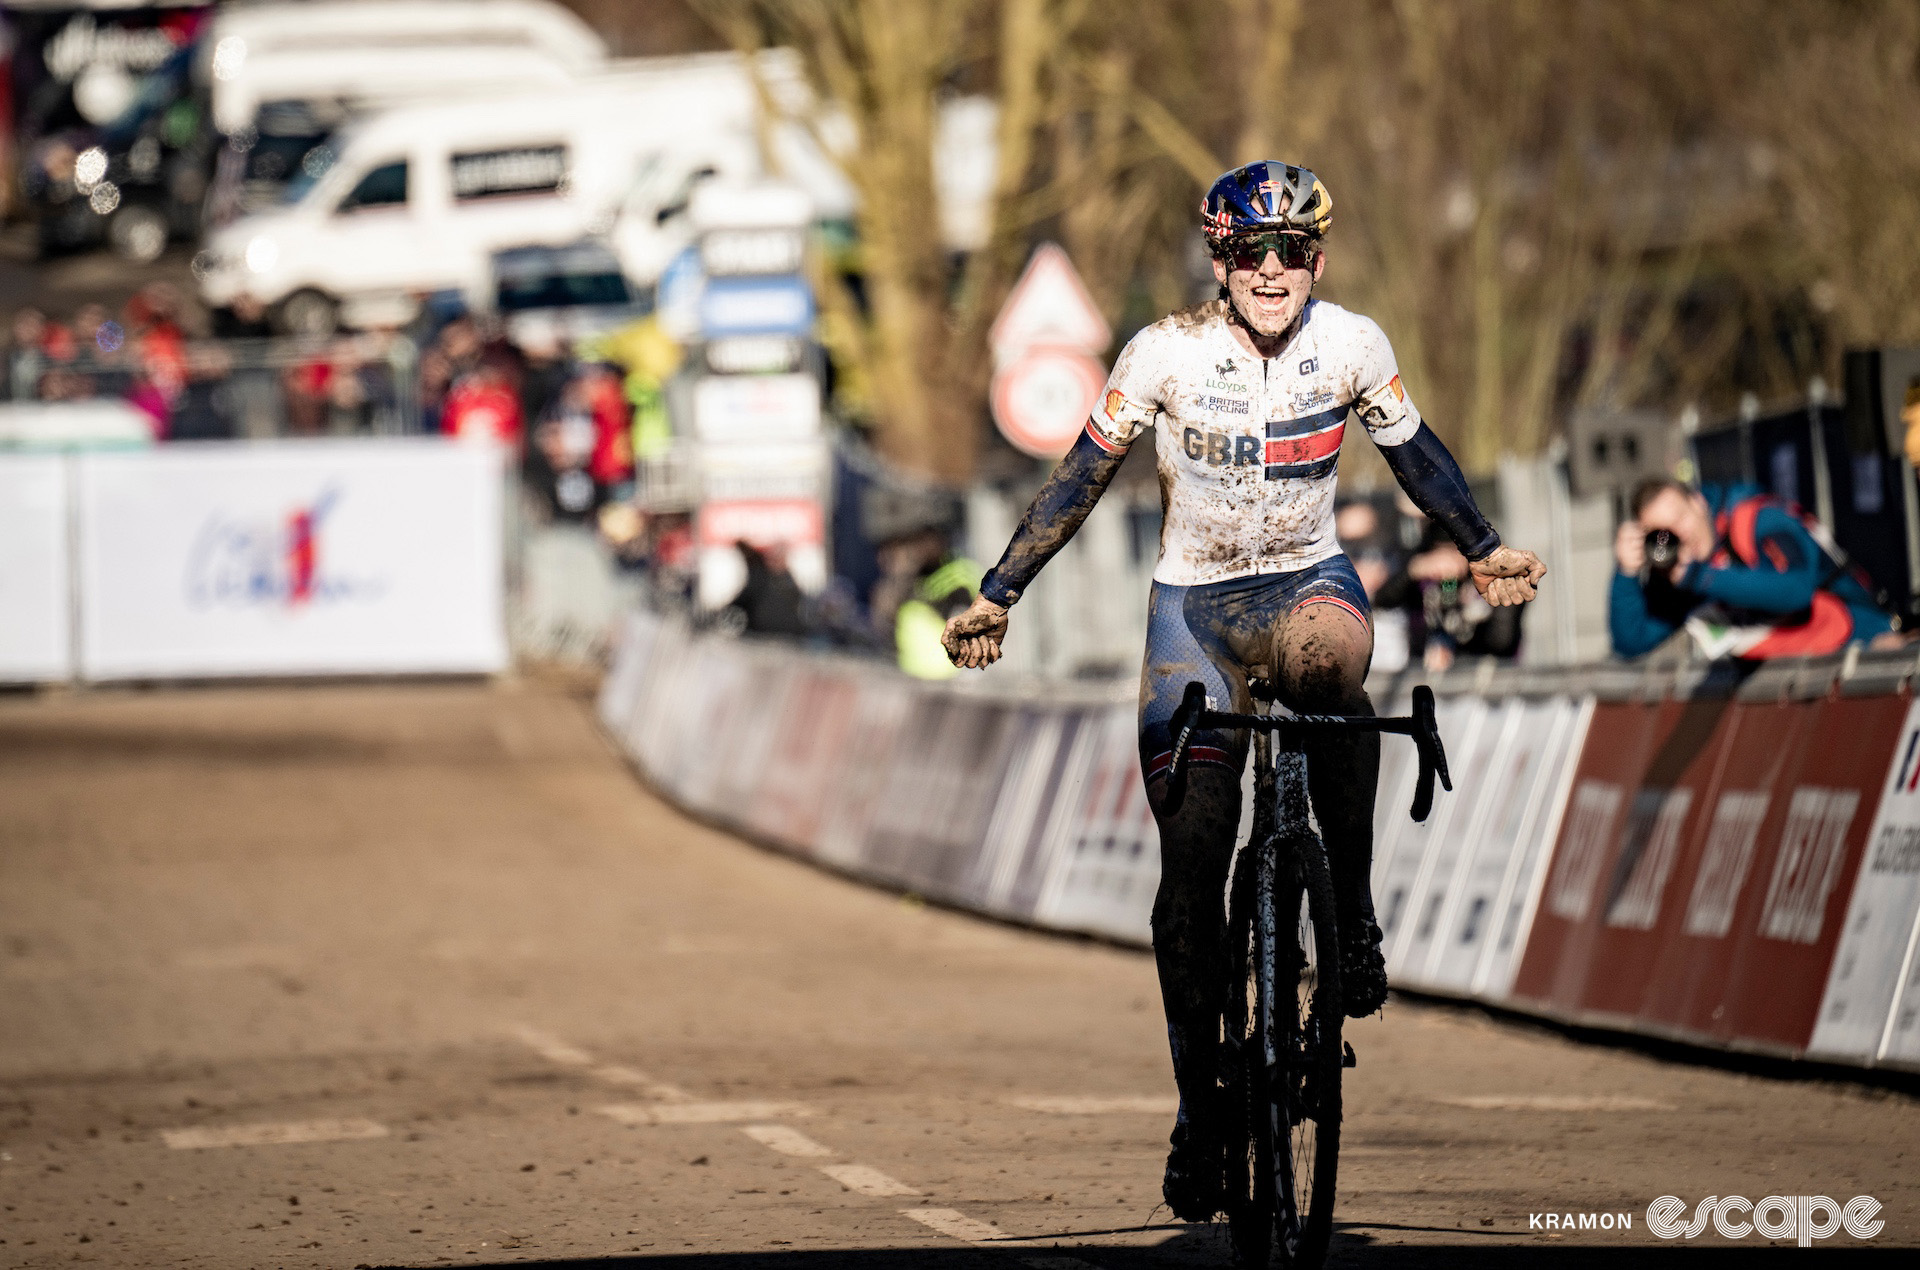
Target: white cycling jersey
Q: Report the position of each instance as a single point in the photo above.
(1247, 446)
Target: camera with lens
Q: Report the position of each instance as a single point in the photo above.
(1663, 552)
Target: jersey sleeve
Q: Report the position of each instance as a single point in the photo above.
(1133, 396)
(1379, 398)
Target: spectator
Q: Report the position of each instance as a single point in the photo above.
(1745, 574)
(1446, 618)
(206, 409)
(483, 404)
(770, 600)
(919, 623)
(27, 355)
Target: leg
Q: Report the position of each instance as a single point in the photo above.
(1322, 647)
(1196, 850)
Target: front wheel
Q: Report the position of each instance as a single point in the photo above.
(1306, 1106)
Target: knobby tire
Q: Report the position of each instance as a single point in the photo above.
(1283, 1162)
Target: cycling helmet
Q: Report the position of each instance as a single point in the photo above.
(1266, 195)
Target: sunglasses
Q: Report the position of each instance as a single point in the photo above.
(1249, 251)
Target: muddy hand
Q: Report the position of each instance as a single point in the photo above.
(972, 638)
(1508, 576)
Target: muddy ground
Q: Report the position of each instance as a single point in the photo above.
(420, 974)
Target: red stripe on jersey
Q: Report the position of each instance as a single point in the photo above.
(1314, 445)
(1102, 442)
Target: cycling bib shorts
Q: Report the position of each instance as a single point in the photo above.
(1218, 634)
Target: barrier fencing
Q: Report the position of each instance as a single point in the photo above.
(1679, 853)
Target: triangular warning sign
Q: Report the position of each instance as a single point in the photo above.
(1049, 307)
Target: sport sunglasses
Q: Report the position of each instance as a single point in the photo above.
(1249, 251)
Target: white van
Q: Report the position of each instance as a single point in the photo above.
(250, 47)
(419, 197)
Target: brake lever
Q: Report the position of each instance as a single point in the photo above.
(1433, 755)
(1183, 725)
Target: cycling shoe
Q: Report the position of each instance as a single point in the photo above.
(1363, 970)
(1194, 1187)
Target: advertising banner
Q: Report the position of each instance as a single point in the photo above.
(1104, 878)
(1436, 883)
(291, 557)
(1877, 938)
(36, 640)
(756, 409)
(1402, 854)
(1521, 782)
(930, 823)
(1619, 744)
(1537, 827)
(1789, 919)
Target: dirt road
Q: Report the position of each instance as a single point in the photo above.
(415, 975)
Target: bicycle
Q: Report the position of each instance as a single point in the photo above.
(1281, 1063)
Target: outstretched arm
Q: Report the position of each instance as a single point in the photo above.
(1504, 575)
(973, 637)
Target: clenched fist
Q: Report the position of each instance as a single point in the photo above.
(1507, 576)
(972, 638)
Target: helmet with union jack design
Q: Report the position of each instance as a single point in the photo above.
(1265, 195)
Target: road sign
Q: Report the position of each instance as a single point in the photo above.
(756, 306)
(1042, 400)
(750, 408)
(1048, 308)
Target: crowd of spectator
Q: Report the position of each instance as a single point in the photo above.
(564, 411)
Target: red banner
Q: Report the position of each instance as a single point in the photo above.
(1705, 863)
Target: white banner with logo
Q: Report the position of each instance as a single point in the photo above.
(291, 557)
(35, 635)
(1871, 1002)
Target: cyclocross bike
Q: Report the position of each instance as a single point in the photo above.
(1282, 1054)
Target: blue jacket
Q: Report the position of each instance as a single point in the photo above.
(1789, 568)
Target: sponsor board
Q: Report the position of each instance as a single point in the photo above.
(36, 638)
(1103, 877)
(756, 409)
(1867, 990)
(291, 557)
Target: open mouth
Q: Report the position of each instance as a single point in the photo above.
(1269, 302)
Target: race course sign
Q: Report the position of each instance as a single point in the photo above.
(291, 557)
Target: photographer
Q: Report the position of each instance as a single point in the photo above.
(1745, 574)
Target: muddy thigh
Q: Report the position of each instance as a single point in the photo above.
(1321, 649)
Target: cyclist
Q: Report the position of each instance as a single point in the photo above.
(1252, 391)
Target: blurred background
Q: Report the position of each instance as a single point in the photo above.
(717, 272)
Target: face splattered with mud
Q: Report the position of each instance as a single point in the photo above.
(1247, 446)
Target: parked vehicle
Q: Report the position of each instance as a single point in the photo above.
(418, 198)
(557, 296)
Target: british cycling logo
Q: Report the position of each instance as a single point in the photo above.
(273, 562)
(1801, 1218)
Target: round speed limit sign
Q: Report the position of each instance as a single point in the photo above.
(1042, 400)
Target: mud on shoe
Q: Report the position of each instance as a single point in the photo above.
(1194, 1186)
(1363, 969)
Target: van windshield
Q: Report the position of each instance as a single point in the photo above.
(313, 164)
(562, 290)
